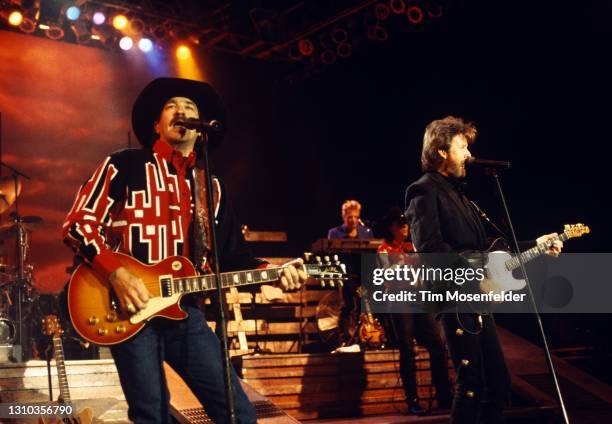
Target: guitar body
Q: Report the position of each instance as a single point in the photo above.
(498, 275)
(371, 332)
(85, 416)
(96, 314)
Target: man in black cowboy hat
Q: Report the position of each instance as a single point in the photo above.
(141, 202)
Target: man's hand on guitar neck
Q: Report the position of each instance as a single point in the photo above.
(130, 290)
(293, 274)
(556, 247)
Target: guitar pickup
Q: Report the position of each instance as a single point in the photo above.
(165, 283)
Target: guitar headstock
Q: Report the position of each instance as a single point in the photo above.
(327, 270)
(576, 230)
(51, 326)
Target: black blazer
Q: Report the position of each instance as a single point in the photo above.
(440, 217)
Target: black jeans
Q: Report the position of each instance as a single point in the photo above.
(482, 388)
(424, 328)
(193, 351)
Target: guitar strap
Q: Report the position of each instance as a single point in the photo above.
(201, 230)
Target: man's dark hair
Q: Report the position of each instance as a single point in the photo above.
(438, 136)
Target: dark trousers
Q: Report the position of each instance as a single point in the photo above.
(482, 388)
(424, 328)
(193, 351)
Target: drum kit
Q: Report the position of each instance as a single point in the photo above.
(17, 292)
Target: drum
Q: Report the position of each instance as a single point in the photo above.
(7, 331)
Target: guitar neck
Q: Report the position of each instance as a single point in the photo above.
(534, 252)
(202, 283)
(61, 369)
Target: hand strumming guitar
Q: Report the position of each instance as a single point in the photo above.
(130, 290)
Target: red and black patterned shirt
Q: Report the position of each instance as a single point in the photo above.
(140, 202)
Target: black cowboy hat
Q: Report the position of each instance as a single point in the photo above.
(150, 101)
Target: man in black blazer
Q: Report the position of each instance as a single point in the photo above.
(442, 220)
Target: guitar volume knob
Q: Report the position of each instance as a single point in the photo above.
(111, 317)
(93, 320)
(102, 331)
(120, 329)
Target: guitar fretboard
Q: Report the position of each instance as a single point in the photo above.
(61, 369)
(534, 252)
(228, 279)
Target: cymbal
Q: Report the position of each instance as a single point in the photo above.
(7, 192)
(28, 222)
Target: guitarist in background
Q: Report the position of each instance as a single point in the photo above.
(394, 250)
(141, 202)
(442, 220)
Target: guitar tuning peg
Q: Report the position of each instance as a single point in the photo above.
(340, 283)
(332, 284)
(307, 256)
(323, 283)
(335, 258)
(326, 259)
(318, 259)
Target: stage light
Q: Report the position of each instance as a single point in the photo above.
(415, 15)
(73, 13)
(382, 11)
(145, 45)
(15, 18)
(328, 57)
(44, 27)
(98, 18)
(183, 53)
(137, 26)
(126, 43)
(120, 22)
(397, 6)
(306, 48)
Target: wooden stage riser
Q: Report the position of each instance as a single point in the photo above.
(327, 386)
(87, 379)
(394, 394)
(368, 357)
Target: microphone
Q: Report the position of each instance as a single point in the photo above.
(488, 163)
(203, 126)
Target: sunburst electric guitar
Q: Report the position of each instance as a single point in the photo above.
(97, 317)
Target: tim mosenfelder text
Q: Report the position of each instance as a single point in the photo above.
(411, 275)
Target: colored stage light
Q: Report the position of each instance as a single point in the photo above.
(145, 45)
(15, 18)
(73, 13)
(98, 18)
(126, 43)
(183, 53)
(120, 22)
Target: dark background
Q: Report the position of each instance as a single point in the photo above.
(534, 78)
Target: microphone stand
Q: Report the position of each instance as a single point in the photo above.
(229, 391)
(547, 354)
